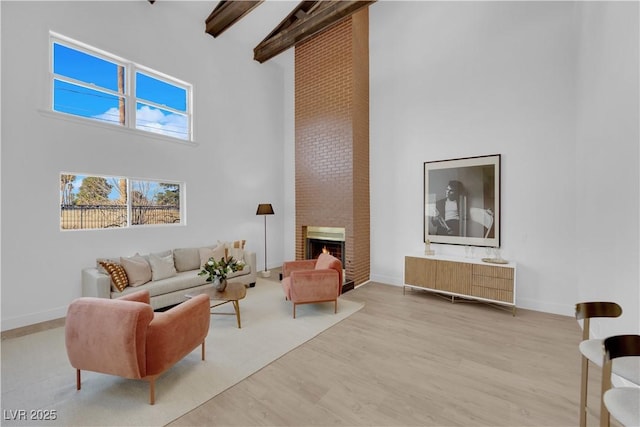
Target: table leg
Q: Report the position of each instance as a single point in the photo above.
(236, 307)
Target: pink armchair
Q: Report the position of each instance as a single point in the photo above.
(125, 337)
(312, 281)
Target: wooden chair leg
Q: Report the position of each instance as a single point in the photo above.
(606, 385)
(335, 306)
(294, 310)
(202, 350)
(78, 380)
(583, 391)
(152, 390)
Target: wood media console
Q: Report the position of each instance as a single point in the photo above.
(466, 278)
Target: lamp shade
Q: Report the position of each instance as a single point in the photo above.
(265, 209)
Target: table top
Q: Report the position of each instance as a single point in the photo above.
(233, 292)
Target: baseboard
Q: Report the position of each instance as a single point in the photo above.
(32, 329)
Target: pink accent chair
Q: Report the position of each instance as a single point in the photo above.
(125, 337)
(312, 281)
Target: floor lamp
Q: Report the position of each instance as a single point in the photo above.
(265, 209)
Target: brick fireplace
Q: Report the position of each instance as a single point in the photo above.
(332, 140)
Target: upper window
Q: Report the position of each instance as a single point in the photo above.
(89, 83)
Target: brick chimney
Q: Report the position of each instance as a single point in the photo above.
(332, 138)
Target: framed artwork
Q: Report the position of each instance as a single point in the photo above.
(462, 201)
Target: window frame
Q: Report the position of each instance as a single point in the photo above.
(130, 97)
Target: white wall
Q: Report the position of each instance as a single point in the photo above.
(607, 161)
(237, 164)
(552, 87)
(460, 79)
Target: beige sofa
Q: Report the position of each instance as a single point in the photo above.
(167, 275)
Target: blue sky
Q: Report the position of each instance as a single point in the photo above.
(89, 102)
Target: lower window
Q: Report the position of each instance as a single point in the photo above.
(94, 202)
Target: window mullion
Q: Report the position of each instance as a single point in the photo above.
(130, 97)
(129, 198)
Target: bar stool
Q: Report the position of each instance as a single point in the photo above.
(591, 349)
(622, 402)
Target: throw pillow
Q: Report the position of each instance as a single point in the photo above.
(162, 266)
(186, 259)
(237, 254)
(101, 268)
(235, 244)
(235, 249)
(137, 268)
(119, 279)
(216, 253)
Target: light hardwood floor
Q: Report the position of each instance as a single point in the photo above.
(417, 360)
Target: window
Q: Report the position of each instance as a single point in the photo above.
(88, 83)
(90, 202)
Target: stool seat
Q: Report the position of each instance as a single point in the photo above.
(621, 402)
(624, 403)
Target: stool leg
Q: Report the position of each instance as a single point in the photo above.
(583, 391)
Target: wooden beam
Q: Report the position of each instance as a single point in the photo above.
(306, 20)
(227, 13)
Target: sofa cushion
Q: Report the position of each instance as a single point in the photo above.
(181, 281)
(137, 268)
(162, 266)
(119, 279)
(186, 259)
(205, 253)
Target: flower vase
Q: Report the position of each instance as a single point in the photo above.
(220, 284)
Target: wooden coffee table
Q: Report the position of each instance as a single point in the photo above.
(233, 293)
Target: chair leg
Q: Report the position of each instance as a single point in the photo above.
(78, 380)
(294, 310)
(583, 391)
(203, 350)
(335, 306)
(152, 390)
(606, 385)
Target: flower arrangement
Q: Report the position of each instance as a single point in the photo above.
(220, 269)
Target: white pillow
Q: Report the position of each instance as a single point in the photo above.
(137, 268)
(186, 259)
(206, 253)
(235, 249)
(237, 254)
(162, 266)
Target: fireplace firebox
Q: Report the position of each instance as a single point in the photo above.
(329, 240)
(325, 239)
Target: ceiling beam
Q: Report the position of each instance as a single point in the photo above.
(306, 20)
(227, 13)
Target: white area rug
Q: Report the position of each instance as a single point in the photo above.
(36, 374)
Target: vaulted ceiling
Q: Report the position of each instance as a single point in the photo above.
(307, 19)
